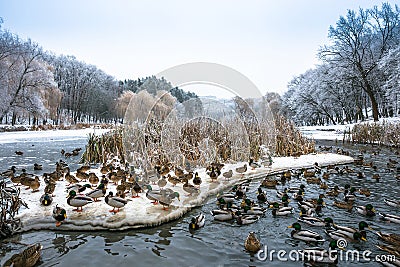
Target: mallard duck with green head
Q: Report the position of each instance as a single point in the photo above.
(59, 214)
(78, 201)
(337, 235)
(367, 210)
(100, 191)
(305, 235)
(115, 202)
(277, 210)
(46, 199)
(197, 222)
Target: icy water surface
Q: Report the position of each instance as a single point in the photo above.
(218, 243)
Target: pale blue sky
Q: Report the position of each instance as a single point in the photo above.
(269, 41)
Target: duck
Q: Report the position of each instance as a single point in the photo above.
(252, 243)
(78, 187)
(197, 222)
(173, 180)
(78, 201)
(213, 174)
(395, 251)
(253, 164)
(46, 199)
(162, 182)
(308, 174)
(59, 214)
(376, 177)
(337, 235)
(197, 179)
(305, 235)
(27, 258)
(83, 168)
(228, 174)
(225, 198)
(367, 210)
(313, 221)
(325, 175)
(334, 192)
(93, 179)
(390, 217)
(35, 184)
(269, 183)
(189, 188)
(115, 202)
(318, 255)
(50, 186)
(392, 202)
(280, 211)
(136, 189)
(323, 186)
(261, 195)
(166, 198)
(349, 231)
(19, 153)
(343, 205)
(10, 172)
(222, 215)
(37, 167)
(242, 169)
(246, 219)
(100, 191)
(364, 191)
(71, 179)
(393, 239)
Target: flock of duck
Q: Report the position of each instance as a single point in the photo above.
(85, 187)
(240, 207)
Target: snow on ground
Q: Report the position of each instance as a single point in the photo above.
(336, 132)
(21, 136)
(140, 212)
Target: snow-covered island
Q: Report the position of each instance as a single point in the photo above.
(140, 212)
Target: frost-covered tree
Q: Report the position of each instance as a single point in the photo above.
(359, 41)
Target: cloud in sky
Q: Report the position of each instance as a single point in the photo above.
(268, 41)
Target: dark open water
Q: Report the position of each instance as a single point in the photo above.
(217, 244)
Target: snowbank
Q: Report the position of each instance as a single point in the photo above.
(140, 212)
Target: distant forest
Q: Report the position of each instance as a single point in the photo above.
(39, 87)
(359, 77)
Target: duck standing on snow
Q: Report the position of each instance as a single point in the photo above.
(197, 180)
(59, 214)
(241, 170)
(252, 243)
(100, 191)
(228, 174)
(197, 222)
(46, 199)
(115, 202)
(78, 201)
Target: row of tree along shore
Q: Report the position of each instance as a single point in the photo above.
(358, 76)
